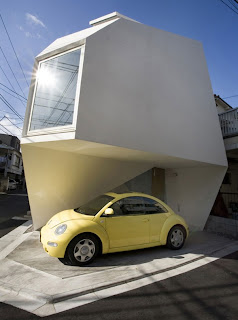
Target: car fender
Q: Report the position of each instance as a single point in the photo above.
(80, 226)
(170, 223)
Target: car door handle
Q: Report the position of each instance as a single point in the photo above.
(145, 220)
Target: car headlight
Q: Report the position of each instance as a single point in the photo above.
(60, 229)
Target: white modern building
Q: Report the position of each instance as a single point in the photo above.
(111, 102)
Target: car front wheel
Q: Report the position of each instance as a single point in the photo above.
(176, 238)
(83, 249)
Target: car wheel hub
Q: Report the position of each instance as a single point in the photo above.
(177, 238)
(84, 250)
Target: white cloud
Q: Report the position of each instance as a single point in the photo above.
(29, 34)
(20, 28)
(34, 20)
(10, 125)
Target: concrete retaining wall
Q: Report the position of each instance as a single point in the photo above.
(224, 226)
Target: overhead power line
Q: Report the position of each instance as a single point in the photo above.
(10, 94)
(7, 78)
(10, 85)
(229, 6)
(10, 107)
(12, 91)
(236, 95)
(5, 117)
(13, 116)
(12, 71)
(14, 50)
(233, 4)
(5, 130)
(16, 124)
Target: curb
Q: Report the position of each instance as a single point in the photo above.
(13, 239)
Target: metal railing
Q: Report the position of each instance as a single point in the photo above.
(229, 123)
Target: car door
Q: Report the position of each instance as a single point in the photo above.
(128, 226)
(157, 214)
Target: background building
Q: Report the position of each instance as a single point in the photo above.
(224, 214)
(10, 160)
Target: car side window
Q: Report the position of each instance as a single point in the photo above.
(152, 206)
(129, 206)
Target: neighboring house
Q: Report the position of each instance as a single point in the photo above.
(222, 106)
(10, 157)
(226, 204)
(229, 189)
(113, 102)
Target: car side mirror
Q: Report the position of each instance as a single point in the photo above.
(109, 212)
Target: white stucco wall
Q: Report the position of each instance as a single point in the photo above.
(58, 180)
(151, 92)
(191, 192)
(220, 109)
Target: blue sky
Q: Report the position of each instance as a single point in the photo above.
(33, 25)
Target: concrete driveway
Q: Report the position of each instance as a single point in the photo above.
(33, 281)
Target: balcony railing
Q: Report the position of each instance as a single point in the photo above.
(229, 123)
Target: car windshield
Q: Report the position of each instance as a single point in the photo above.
(92, 207)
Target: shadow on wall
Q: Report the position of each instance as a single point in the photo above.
(141, 183)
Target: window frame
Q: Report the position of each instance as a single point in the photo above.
(131, 215)
(66, 128)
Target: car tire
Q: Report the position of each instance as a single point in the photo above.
(65, 261)
(176, 238)
(83, 249)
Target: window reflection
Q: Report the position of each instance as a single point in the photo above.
(55, 91)
(129, 206)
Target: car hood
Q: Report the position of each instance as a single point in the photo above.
(67, 215)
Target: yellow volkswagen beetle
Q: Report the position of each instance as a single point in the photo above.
(111, 223)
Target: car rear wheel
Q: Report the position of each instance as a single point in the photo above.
(83, 249)
(176, 238)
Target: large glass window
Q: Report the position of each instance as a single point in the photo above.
(55, 91)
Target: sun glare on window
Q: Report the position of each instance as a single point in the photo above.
(56, 82)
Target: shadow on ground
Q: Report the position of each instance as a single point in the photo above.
(31, 253)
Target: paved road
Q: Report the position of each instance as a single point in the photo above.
(13, 204)
(209, 292)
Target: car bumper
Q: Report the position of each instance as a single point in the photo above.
(54, 245)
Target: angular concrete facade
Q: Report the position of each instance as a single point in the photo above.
(142, 99)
